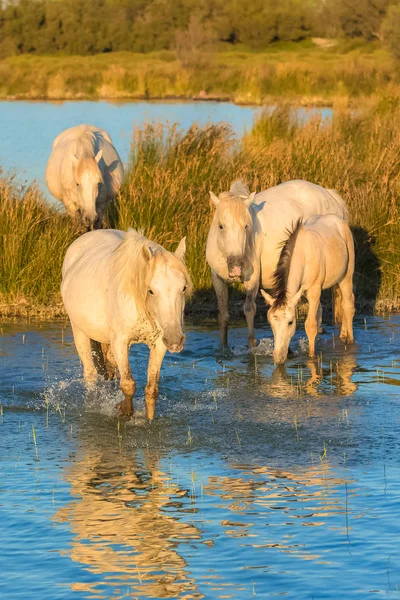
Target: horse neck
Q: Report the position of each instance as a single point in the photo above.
(296, 271)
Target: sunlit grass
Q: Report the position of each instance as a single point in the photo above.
(301, 71)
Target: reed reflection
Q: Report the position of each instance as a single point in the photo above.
(122, 530)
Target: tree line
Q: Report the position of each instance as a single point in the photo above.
(87, 27)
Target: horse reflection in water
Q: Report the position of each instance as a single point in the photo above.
(334, 377)
(337, 379)
(121, 503)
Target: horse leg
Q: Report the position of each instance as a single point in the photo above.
(311, 324)
(319, 318)
(110, 365)
(250, 305)
(222, 292)
(156, 358)
(120, 350)
(346, 331)
(84, 349)
(98, 358)
(346, 289)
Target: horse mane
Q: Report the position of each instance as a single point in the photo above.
(133, 264)
(279, 290)
(239, 188)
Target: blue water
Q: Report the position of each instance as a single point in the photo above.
(29, 128)
(252, 481)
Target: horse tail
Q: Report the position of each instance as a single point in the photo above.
(341, 205)
(337, 304)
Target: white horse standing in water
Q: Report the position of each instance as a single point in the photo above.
(246, 235)
(84, 172)
(120, 289)
(317, 255)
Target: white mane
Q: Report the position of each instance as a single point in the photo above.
(239, 188)
(133, 265)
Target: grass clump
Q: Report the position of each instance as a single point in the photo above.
(33, 240)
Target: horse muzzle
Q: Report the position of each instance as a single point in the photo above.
(280, 359)
(176, 345)
(235, 267)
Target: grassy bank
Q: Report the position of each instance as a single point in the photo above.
(302, 72)
(166, 194)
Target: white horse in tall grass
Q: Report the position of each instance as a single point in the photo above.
(120, 289)
(246, 235)
(84, 172)
(317, 255)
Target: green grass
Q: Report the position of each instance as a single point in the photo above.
(166, 194)
(298, 71)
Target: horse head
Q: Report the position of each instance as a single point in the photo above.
(89, 190)
(167, 287)
(282, 318)
(234, 228)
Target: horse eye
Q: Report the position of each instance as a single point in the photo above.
(246, 226)
(290, 323)
(77, 185)
(151, 292)
(184, 289)
(221, 226)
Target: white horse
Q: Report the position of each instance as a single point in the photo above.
(317, 255)
(246, 235)
(120, 289)
(84, 172)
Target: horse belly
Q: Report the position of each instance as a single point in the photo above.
(336, 264)
(87, 310)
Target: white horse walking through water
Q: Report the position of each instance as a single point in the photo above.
(120, 289)
(318, 254)
(84, 172)
(246, 235)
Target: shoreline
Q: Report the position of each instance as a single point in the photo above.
(306, 76)
(303, 101)
(202, 310)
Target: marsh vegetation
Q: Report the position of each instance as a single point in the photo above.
(166, 194)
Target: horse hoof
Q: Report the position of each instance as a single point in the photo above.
(252, 342)
(124, 411)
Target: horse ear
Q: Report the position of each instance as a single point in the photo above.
(214, 198)
(268, 299)
(296, 297)
(250, 199)
(181, 249)
(99, 155)
(148, 252)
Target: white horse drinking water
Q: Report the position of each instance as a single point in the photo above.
(84, 172)
(120, 289)
(317, 255)
(246, 235)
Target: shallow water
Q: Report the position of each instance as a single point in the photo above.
(29, 128)
(252, 481)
